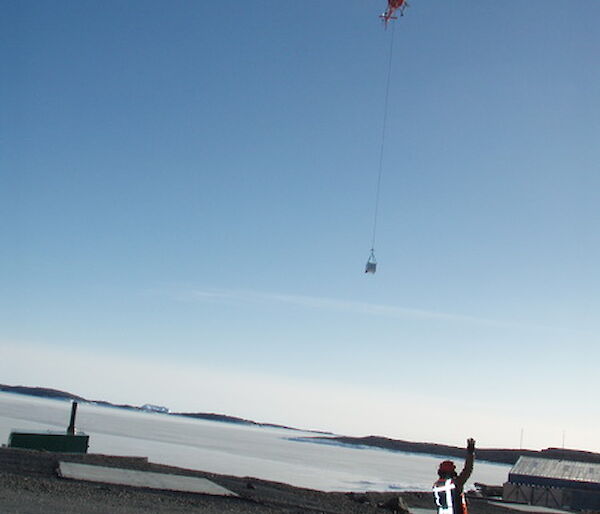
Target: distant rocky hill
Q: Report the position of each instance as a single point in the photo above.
(505, 456)
(55, 394)
(229, 419)
(43, 392)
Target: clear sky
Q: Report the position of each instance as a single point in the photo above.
(187, 196)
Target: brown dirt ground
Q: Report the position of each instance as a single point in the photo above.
(29, 485)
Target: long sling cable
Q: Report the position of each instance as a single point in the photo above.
(383, 131)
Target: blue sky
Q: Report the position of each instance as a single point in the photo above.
(188, 192)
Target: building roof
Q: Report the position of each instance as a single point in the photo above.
(563, 470)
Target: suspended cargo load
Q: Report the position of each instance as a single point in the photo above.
(371, 266)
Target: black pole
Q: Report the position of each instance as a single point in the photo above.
(71, 429)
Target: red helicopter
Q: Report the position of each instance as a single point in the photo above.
(393, 6)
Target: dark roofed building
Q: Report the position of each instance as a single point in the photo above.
(554, 483)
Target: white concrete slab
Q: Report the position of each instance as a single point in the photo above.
(417, 510)
(514, 506)
(521, 507)
(146, 479)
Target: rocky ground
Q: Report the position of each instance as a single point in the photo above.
(29, 485)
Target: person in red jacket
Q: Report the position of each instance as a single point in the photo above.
(448, 491)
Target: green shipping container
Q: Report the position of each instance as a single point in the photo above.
(50, 441)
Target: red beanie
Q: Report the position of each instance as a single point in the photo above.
(447, 467)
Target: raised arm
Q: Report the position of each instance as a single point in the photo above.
(464, 475)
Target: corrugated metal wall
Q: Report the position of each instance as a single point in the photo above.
(554, 483)
(563, 470)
